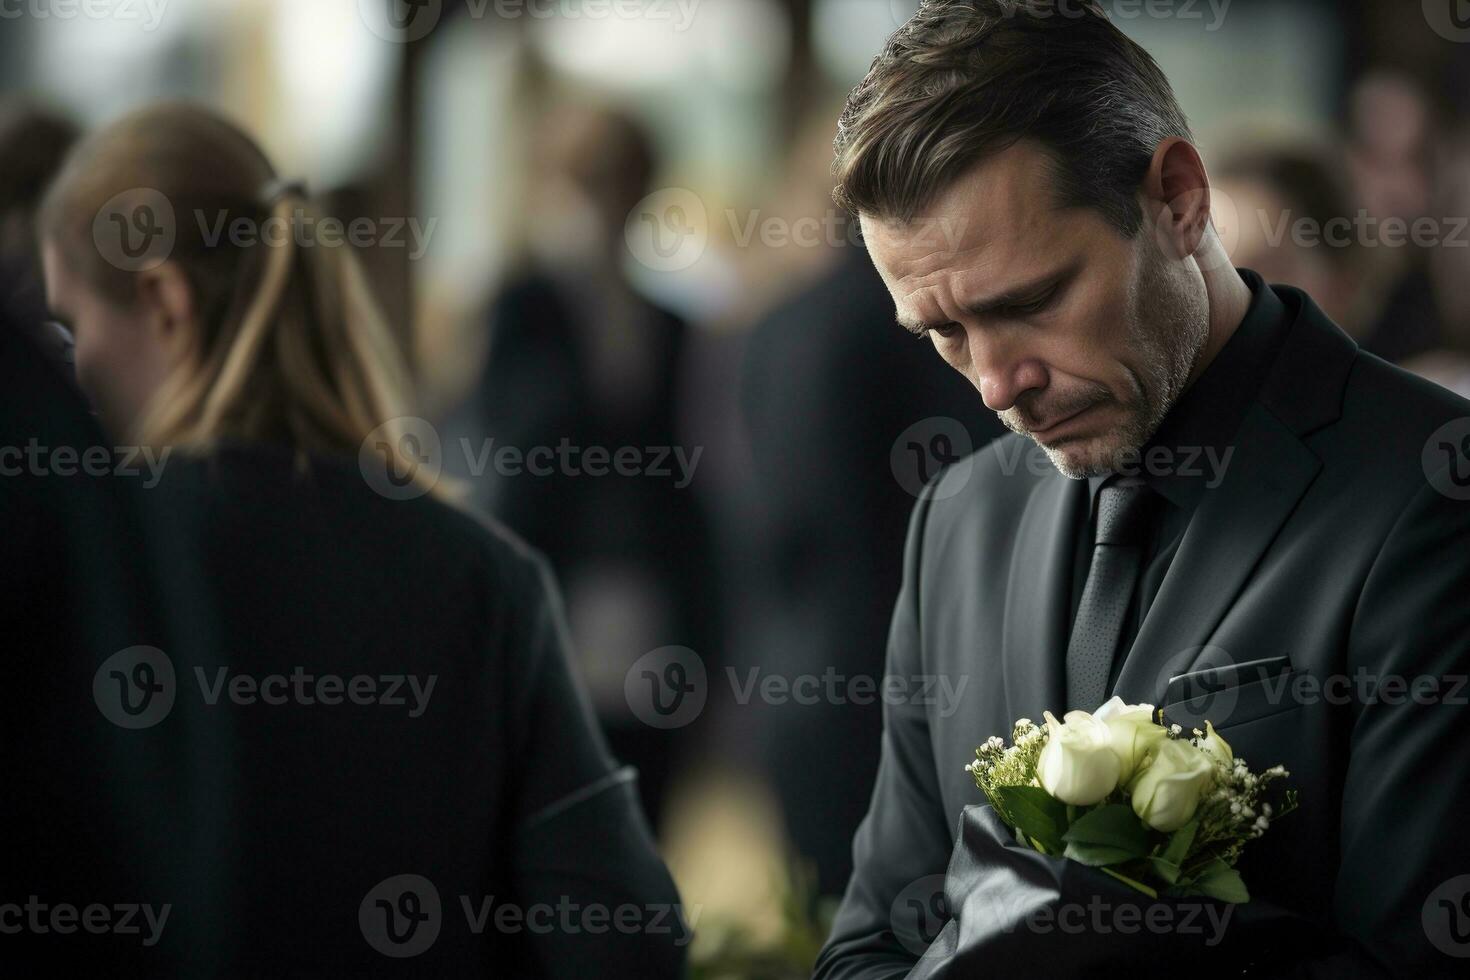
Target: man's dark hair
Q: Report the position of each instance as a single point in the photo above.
(967, 78)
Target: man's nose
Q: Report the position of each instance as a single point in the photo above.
(1002, 380)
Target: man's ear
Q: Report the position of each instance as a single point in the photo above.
(1176, 192)
(169, 309)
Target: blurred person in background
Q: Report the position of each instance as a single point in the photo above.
(331, 828)
(1389, 148)
(33, 142)
(578, 358)
(1289, 204)
(1449, 363)
(829, 383)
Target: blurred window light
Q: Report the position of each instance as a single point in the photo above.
(641, 44)
(848, 34)
(469, 159)
(100, 66)
(1234, 72)
(335, 79)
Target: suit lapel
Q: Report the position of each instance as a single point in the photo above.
(1232, 527)
(1237, 521)
(1034, 636)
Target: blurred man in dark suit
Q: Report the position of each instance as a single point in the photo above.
(33, 143)
(580, 363)
(834, 396)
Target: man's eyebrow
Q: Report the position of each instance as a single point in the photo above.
(914, 325)
(1019, 294)
(1022, 293)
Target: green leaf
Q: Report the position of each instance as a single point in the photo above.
(1179, 844)
(1035, 813)
(1097, 855)
(1114, 828)
(1165, 869)
(1220, 881)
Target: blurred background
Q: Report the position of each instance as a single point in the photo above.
(615, 233)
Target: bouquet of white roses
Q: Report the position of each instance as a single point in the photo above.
(1160, 811)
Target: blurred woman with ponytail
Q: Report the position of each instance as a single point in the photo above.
(377, 725)
(191, 331)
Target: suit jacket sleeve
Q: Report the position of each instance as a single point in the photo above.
(1406, 792)
(903, 845)
(580, 842)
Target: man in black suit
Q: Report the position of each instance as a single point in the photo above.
(1229, 511)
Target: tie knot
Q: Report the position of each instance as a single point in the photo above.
(1122, 513)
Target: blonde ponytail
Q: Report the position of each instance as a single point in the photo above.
(292, 346)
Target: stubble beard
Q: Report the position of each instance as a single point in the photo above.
(1168, 326)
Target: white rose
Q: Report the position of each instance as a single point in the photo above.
(1078, 765)
(1133, 732)
(1216, 746)
(1168, 789)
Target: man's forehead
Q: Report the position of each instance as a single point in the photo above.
(1005, 202)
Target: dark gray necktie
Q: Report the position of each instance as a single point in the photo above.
(1117, 556)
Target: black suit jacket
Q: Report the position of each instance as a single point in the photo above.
(280, 829)
(1338, 540)
(496, 788)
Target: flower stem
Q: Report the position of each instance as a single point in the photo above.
(1151, 893)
